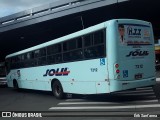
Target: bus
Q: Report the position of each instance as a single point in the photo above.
(3, 80)
(112, 56)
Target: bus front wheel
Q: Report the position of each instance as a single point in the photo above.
(57, 90)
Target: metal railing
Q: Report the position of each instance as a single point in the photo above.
(48, 8)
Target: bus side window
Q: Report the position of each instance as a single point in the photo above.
(58, 58)
(79, 42)
(94, 47)
(53, 54)
(57, 48)
(77, 54)
(98, 37)
(50, 59)
(66, 56)
(42, 52)
(50, 50)
(65, 47)
(42, 61)
(71, 44)
(88, 40)
(94, 52)
(36, 53)
(72, 49)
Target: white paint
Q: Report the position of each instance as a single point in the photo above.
(105, 107)
(104, 103)
(68, 100)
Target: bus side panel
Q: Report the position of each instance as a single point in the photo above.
(84, 77)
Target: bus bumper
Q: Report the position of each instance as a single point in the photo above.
(119, 85)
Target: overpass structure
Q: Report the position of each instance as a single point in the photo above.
(41, 24)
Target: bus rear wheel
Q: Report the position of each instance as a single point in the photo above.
(57, 90)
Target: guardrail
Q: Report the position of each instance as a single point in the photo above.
(51, 7)
(51, 11)
(56, 6)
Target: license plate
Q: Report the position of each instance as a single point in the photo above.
(138, 76)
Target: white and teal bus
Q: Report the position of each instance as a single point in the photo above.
(112, 56)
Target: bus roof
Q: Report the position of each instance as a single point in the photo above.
(74, 35)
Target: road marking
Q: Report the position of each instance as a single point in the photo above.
(150, 96)
(87, 103)
(105, 107)
(104, 103)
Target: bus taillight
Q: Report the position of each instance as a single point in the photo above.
(117, 71)
(116, 65)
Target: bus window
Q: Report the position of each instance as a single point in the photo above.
(53, 49)
(57, 48)
(51, 59)
(69, 45)
(88, 40)
(40, 53)
(65, 46)
(98, 37)
(77, 54)
(22, 57)
(79, 42)
(30, 55)
(41, 61)
(58, 58)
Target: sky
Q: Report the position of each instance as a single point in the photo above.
(8, 7)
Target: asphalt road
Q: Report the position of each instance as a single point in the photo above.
(122, 105)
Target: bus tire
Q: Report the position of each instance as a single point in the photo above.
(15, 85)
(57, 90)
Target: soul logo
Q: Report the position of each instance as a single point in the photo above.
(57, 72)
(138, 53)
